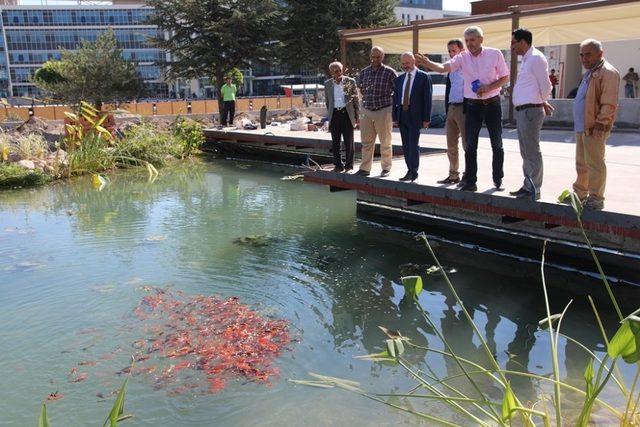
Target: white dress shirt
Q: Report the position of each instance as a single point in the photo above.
(404, 84)
(338, 94)
(532, 84)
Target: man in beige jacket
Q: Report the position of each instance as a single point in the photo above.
(594, 111)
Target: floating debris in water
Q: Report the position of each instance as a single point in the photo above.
(410, 269)
(156, 238)
(292, 177)
(25, 266)
(257, 240)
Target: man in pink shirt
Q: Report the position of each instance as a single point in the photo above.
(485, 72)
(530, 94)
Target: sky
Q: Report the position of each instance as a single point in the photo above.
(462, 5)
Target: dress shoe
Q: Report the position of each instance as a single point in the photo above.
(594, 204)
(384, 173)
(469, 187)
(337, 169)
(362, 173)
(449, 180)
(410, 176)
(520, 191)
(498, 183)
(526, 194)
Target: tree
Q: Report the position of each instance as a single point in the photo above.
(237, 78)
(310, 37)
(209, 37)
(95, 72)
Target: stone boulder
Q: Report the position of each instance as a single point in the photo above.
(27, 164)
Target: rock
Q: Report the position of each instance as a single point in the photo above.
(27, 164)
(57, 157)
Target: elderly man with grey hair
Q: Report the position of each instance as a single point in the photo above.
(342, 110)
(484, 71)
(594, 111)
(376, 84)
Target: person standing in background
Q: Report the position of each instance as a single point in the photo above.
(554, 82)
(228, 91)
(631, 84)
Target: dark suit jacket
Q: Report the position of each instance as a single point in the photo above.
(419, 101)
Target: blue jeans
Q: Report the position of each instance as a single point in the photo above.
(475, 114)
(628, 91)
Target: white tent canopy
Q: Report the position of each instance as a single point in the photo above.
(605, 20)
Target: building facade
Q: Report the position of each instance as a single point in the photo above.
(32, 35)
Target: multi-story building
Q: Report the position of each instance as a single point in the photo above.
(32, 35)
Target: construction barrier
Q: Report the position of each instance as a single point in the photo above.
(160, 108)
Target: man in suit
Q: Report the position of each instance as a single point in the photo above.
(411, 111)
(342, 109)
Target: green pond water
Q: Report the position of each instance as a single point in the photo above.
(74, 262)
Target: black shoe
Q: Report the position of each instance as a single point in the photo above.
(337, 170)
(469, 187)
(348, 169)
(384, 173)
(362, 173)
(498, 183)
(410, 176)
(526, 194)
(519, 192)
(449, 180)
(462, 183)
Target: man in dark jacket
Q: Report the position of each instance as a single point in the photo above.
(411, 111)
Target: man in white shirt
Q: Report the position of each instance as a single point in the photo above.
(530, 95)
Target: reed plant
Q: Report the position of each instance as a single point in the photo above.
(477, 406)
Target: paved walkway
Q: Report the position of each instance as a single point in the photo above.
(558, 150)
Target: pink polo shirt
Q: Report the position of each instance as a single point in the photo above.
(487, 67)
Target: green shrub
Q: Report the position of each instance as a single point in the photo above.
(14, 176)
(146, 143)
(188, 134)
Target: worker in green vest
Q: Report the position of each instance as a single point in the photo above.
(228, 91)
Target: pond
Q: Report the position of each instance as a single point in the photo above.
(77, 262)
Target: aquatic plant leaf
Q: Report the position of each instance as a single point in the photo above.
(118, 406)
(383, 356)
(624, 342)
(43, 421)
(98, 181)
(508, 404)
(564, 195)
(544, 323)
(412, 285)
(318, 384)
(395, 347)
(588, 377)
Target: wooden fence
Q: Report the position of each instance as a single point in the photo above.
(164, 108)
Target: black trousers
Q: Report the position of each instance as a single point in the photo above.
(228, 109)
(341, 128)
(491, 114)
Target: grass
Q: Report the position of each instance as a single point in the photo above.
(14, 176)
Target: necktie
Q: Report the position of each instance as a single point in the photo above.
(405, 97)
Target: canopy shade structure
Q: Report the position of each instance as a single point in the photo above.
(605, 20)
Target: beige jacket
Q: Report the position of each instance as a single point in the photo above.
(601, 101)
(350, 96)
